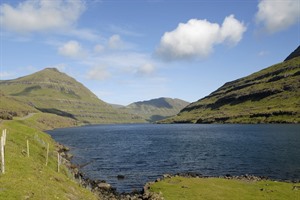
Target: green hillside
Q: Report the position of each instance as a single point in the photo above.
(51, 91)
(156, 109)
(29, 177)
(10, 107)
(271, 95)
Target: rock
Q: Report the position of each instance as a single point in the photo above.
(104, 186)
(167, 176)
(120, 177)
(296, 187)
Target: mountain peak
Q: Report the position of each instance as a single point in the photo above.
(52, 91)
(52, 69)
(294, 54)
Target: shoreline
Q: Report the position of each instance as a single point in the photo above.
(106, 192)
(101, 188)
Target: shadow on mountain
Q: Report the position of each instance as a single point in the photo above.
(57, 112)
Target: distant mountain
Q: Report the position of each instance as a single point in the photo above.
(156, 109)
(271, 95)
(54, 92)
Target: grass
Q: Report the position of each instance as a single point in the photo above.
(272, 93)
(29, 177)
(54, 92)
(218, 188)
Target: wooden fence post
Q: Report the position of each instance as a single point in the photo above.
(4, 135)
(2, 155)
(58, 161)
(27, 148)
(47, 156)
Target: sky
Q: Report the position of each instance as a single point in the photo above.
(132, 50)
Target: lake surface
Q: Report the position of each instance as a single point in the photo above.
(144, 152)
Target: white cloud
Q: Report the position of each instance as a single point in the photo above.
(197, 38)
(146, 69)
(71, 49)
(86, 34)
(99, 73)
(4, 75)
(115, 42)
(263, 53)
(278, 15)
(41, 15)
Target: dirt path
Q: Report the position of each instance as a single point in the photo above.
(27, 116)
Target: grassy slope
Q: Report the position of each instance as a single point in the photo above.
(52, 91)
(12, 107)
(156, 109)
(29, 177)
(268, 96)
(218, 188)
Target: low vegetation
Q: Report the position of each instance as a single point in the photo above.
(29, 177)
(219, 188)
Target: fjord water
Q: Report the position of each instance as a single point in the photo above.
(144, 152)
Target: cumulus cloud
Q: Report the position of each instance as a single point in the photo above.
(278, 15)
(71, 49)
(41, 15)
(99, 73)
(197, 38)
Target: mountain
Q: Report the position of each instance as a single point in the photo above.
(156, 109)
(271, 95)
(51, 91)
(294, 54)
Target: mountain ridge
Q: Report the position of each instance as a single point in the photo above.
(52, 91)
(267, 96)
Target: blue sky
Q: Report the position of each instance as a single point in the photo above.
(133, 50)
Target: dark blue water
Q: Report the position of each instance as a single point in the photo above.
(143, 152)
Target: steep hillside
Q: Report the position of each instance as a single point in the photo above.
(271, 95)
(10, 107)
(51, 91)
(156, 109)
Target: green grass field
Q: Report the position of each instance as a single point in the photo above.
(180, 188)
(29, 177)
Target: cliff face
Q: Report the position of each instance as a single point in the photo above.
(268, 96)
(51, 91)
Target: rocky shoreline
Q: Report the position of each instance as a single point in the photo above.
(106, 192)
(99, 187)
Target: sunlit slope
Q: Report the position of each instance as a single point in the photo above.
(10, 107)
(54, 92)
(271, 95)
